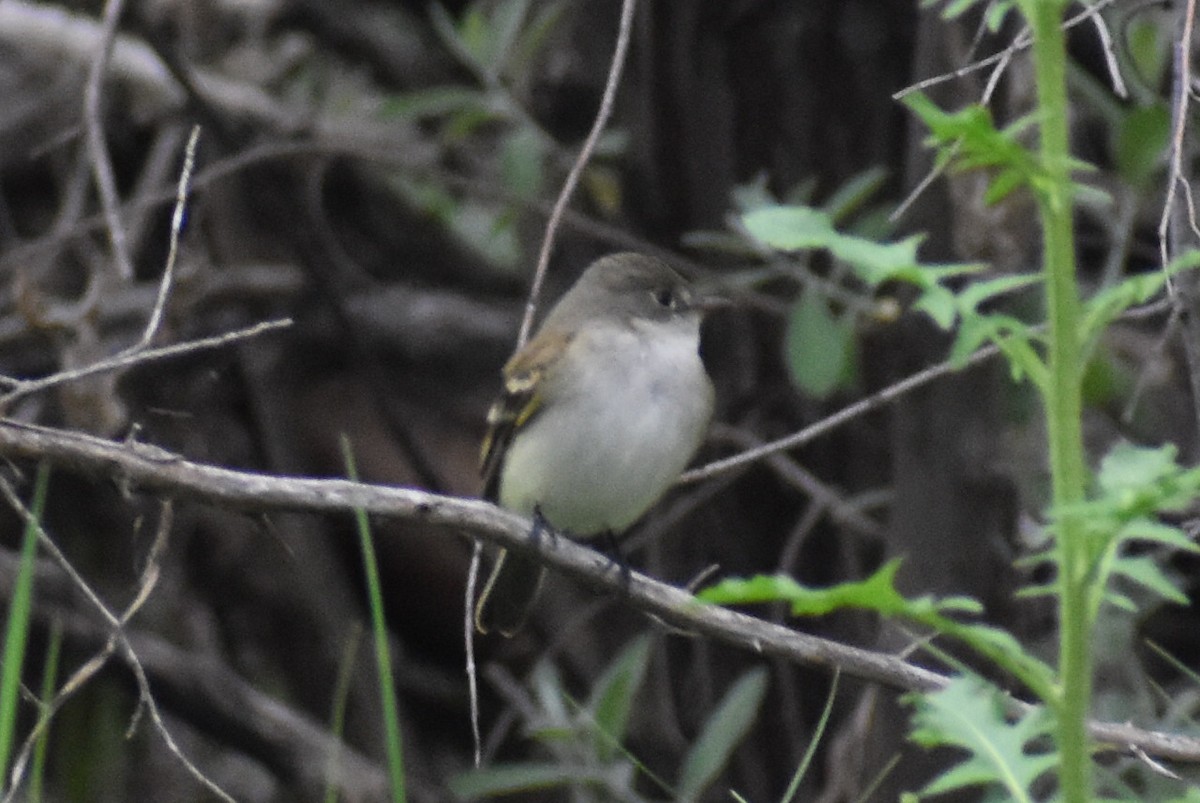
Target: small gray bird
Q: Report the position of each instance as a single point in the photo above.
(601, 411)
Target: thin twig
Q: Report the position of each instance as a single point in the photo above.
(585, 154)
(1110, 58)
(1176, 219)
(841, 417)
(873, 402)
(155, 469)
(117, 625)
(472, 667)
(1179, 105)
(25, 387)
(1018, 44)
(177, 217)
(999, 62)
(106, 184)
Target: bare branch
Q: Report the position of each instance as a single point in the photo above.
(843, 416)
(117, 637)
(585, 154)
(22, 387)
(157, 470)
(106, 183)
(203, 690)
(177, 217)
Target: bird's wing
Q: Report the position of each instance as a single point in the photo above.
(518, 403)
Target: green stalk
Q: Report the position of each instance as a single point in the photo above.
(1063, 398)
(16, 632)
(383, 659)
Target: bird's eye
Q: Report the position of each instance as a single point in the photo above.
(665, 298)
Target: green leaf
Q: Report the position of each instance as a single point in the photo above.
(1142, 529)
(1145, 571)
(790, 228)
(534, 35)
(722, 733)
(874, 262)
(939, 304)
(851, 196)
(979, 292)
(1141, 143)
(968, 139)
(476, 34)
(1127, 467)
(878, 593)
(793, 228)
(612, 696)
(1145, 46)
(1105, 306)
(970, 714)
(820, 346)
(506, 23)
(521, 162)
(433, 102)
(994, 13)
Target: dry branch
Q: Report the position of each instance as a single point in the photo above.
(153, 469)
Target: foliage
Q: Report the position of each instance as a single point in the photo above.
(497, 43)
(1002, 751)
(587, 741)
(878, 593)
(390, 709)
(1100, 533)
(16, 630)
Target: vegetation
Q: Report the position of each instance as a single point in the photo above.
(962, 248)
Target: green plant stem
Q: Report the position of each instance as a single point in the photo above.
(1064, 405)
(16, 633)
(383, 659)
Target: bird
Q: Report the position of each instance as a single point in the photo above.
(600, 412)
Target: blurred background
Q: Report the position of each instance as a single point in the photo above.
(380, 171)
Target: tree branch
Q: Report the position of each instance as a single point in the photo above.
(153, 469)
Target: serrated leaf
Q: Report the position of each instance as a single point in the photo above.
(970, 714)
(1145, 571)
(1142, 529)
(978, 292)
(874, 262)
(878, 593)
(819, 346)
(721, 734)
(1103, 308)
(790, 228)
(612, 696)
(1127, 467)
(939, 304)
(1121, 602)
